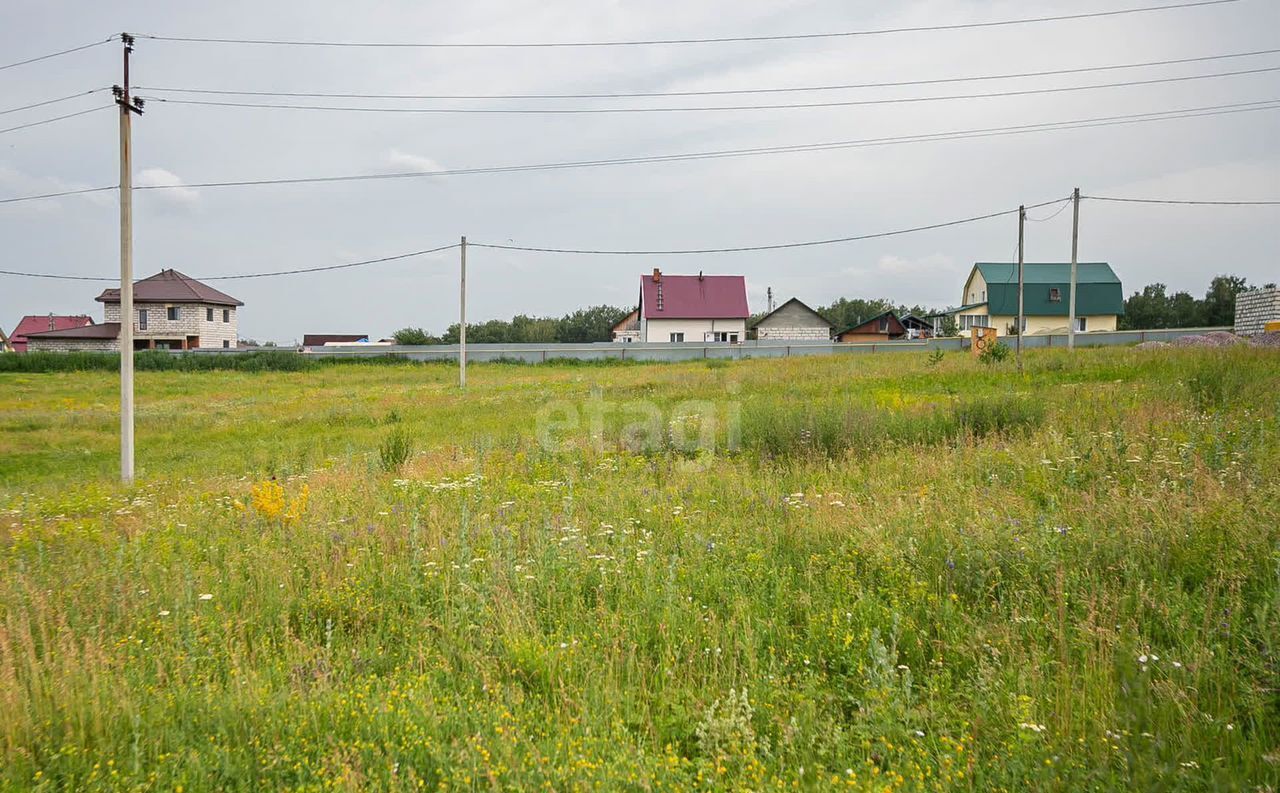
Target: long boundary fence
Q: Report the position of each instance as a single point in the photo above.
(656, 352)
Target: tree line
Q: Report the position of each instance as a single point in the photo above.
(1154, 307)
(580, 327)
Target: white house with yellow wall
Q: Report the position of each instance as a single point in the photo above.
(990, 298)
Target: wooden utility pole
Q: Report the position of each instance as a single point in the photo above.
(1075, 254)
(128, 106)
(462, 319)
(1021, 322)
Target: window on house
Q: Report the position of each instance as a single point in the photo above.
(984, 295)
(1024, 325)
(1055, 294)
(677, 338)
(142, 319)
(226, 344)
(226, 315)
(733, 338)
(1080, 324)
(208, 315)
(884, 325)
(968, 321)
(172, 312)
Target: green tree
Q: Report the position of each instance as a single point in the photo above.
(414, 336)
(1219, 306)
(590, 324)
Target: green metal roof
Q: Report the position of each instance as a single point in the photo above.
(951, 312)
(1099, 290)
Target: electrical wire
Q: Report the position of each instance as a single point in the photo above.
(56, 54)
(55, 118)
(80, 191)
(718, 40)
(52, 101)
(1169, 201)
(752, 248)
(725, 92)
(346, 266)
(1101, 121)
(299, 271)
(1059, 211)
(706, 108)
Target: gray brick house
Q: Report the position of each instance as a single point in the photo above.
(171, 311)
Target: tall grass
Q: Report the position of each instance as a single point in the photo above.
(1063, 580)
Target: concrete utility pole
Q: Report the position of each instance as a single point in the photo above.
(1075, 254)
(128, 106)
(1022, 223)
(462, 319)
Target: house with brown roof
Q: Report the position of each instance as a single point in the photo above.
(883, 327)
(35, 323)
(693, 308)
(171, 311)
(322, 339)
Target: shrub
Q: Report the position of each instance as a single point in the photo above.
(395, 449)
(994, 354)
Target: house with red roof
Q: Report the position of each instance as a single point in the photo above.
(693, 308)
(35, 323)
(171, 311)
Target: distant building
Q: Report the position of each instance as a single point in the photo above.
(321, 339)
(171, 311)
(990, 298)
(882, 327)
(693, 308)
(917, 327)
(34, 323)
(793, 321)
(628, 328)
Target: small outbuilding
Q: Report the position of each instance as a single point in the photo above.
(793, 321)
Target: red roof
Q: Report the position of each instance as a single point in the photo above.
(33, 323)
(694, 297)
(171, 286)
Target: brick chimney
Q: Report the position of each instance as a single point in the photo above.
(657, 275)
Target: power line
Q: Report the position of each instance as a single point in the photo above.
(1047, 218)
(726, 92)
(717, 40)
(56, 54)
(52, 101)
(751, 248)
(1168, 201)
(1102, 121)
(708, 108)
(80, 191)
(332, 266)
(299, 271)
(55, 118)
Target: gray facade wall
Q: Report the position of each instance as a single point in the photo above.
(37, 344)
(793, 321)
(192, 321)
(1255, 308)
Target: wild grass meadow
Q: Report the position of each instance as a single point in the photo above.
(882, 573)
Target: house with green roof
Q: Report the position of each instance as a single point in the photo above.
(990, 298)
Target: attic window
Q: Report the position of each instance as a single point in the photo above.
(884, 325)
(1055, 294)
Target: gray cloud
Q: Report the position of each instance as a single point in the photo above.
(707, 203)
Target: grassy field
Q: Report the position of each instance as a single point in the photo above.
(876, 573)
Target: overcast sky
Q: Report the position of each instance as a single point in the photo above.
(709, 203)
